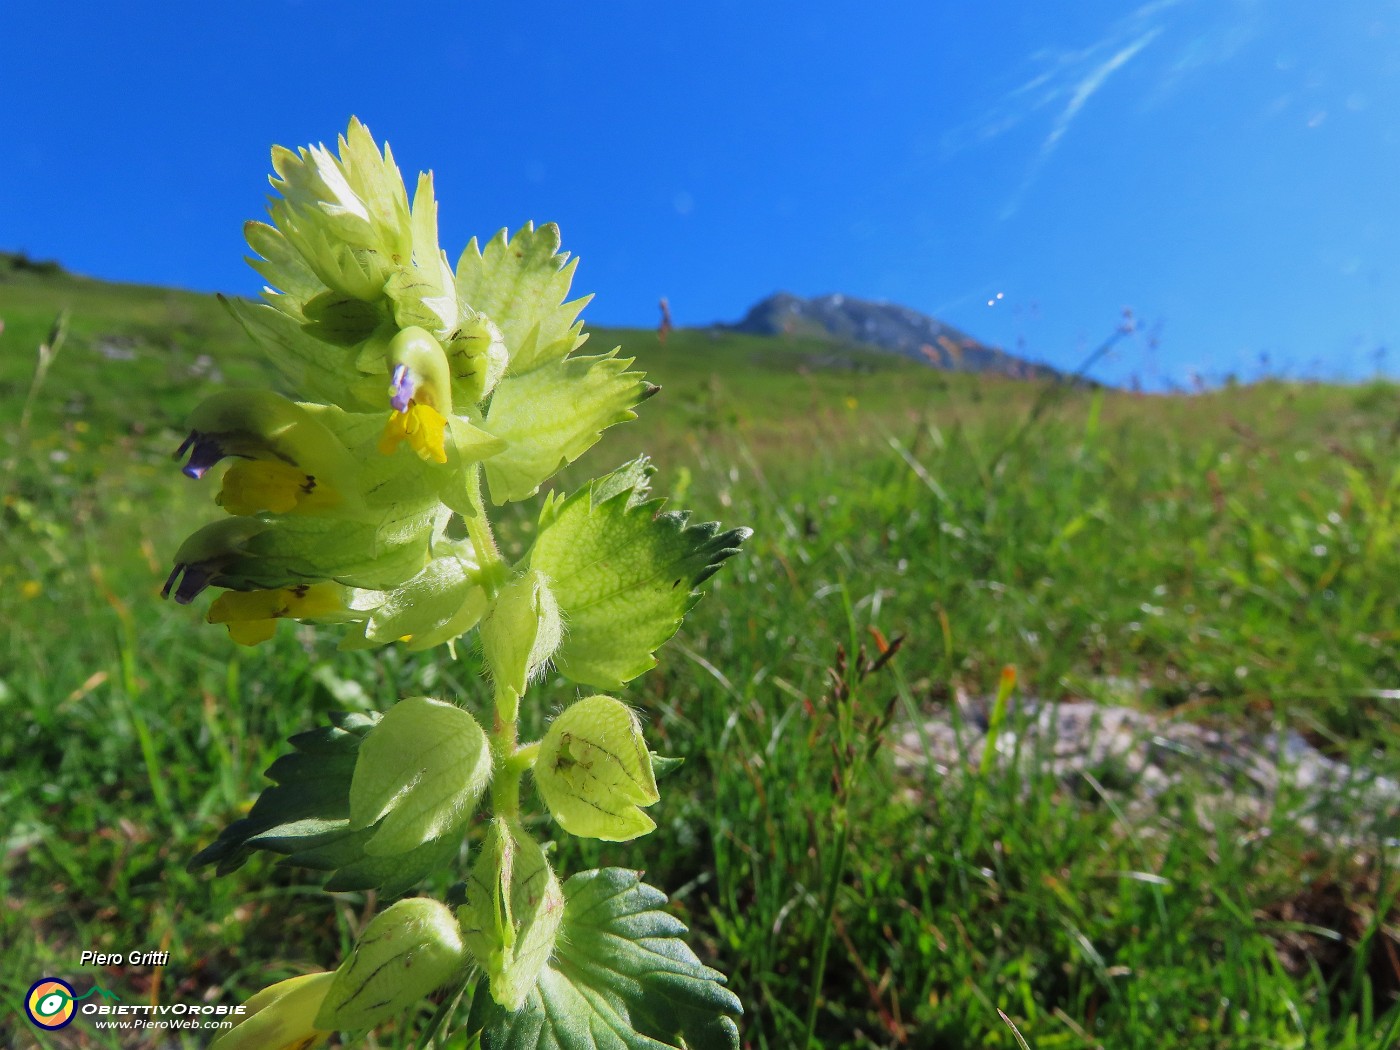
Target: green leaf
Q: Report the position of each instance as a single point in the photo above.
(594, 771)
(621, 977)
(521, 284)
(419, 775)
(624, 573)
(304, 816)
(553, 415)
(317, 371)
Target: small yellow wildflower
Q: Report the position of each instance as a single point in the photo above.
(251, 616)
(281, 1017)
(253, 486)
(423, 427)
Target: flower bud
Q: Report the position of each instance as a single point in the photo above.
(477, 356)
(521, 633)
(409, 950)
(513, 911)
(594, 771)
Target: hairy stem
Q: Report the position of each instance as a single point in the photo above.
(488, 555)
(505, 784)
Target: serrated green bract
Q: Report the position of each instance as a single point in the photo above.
(305, 817)
(418, 775)
(521, 285)
(407, 951)
(624, 573)
(594, 772)
(314, 369)
(282, 267)
(513, 910)
(664, 765)
(621, 978)
(552, 415)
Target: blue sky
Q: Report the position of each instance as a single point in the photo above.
(1230, 169)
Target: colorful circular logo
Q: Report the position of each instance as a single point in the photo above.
(49, 1003)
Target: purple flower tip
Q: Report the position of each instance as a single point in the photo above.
(401, 389)
(196, 579)
(204, 450)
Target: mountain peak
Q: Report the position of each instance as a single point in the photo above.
(886, 326)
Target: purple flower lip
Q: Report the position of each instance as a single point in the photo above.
(401, 389)
(196, 579)
(204, 450)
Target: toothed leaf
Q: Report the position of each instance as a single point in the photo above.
(291, 282)
(624, 573)
(553, 415)
(304, 816)
(521, 284)
(621, 979)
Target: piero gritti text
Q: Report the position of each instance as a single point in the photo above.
(129, 959)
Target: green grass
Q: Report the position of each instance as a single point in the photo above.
(1232, 556)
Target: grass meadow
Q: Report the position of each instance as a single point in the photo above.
(1232, 557)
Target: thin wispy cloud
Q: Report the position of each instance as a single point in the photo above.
(1083, 91)
(1061, 81)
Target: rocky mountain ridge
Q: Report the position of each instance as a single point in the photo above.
(886, 326)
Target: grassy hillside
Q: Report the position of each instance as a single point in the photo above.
(1233, 557)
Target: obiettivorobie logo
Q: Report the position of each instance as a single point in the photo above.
(50, 1002)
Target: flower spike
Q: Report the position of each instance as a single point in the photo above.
(476, 371)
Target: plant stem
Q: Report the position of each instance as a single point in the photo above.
(833, 886)
(509, 760)
(505, 784)
(488, 555)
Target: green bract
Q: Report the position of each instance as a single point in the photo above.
(621, 977)
(407, 951)
(521, 633)
(358, 498)
(513, 910)
(624, 572)
(594, 771)
(418, 775)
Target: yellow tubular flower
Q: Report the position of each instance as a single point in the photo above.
(423, 427)
(281, 1017)
(251, 616)
(420, 393)
(255, 486)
